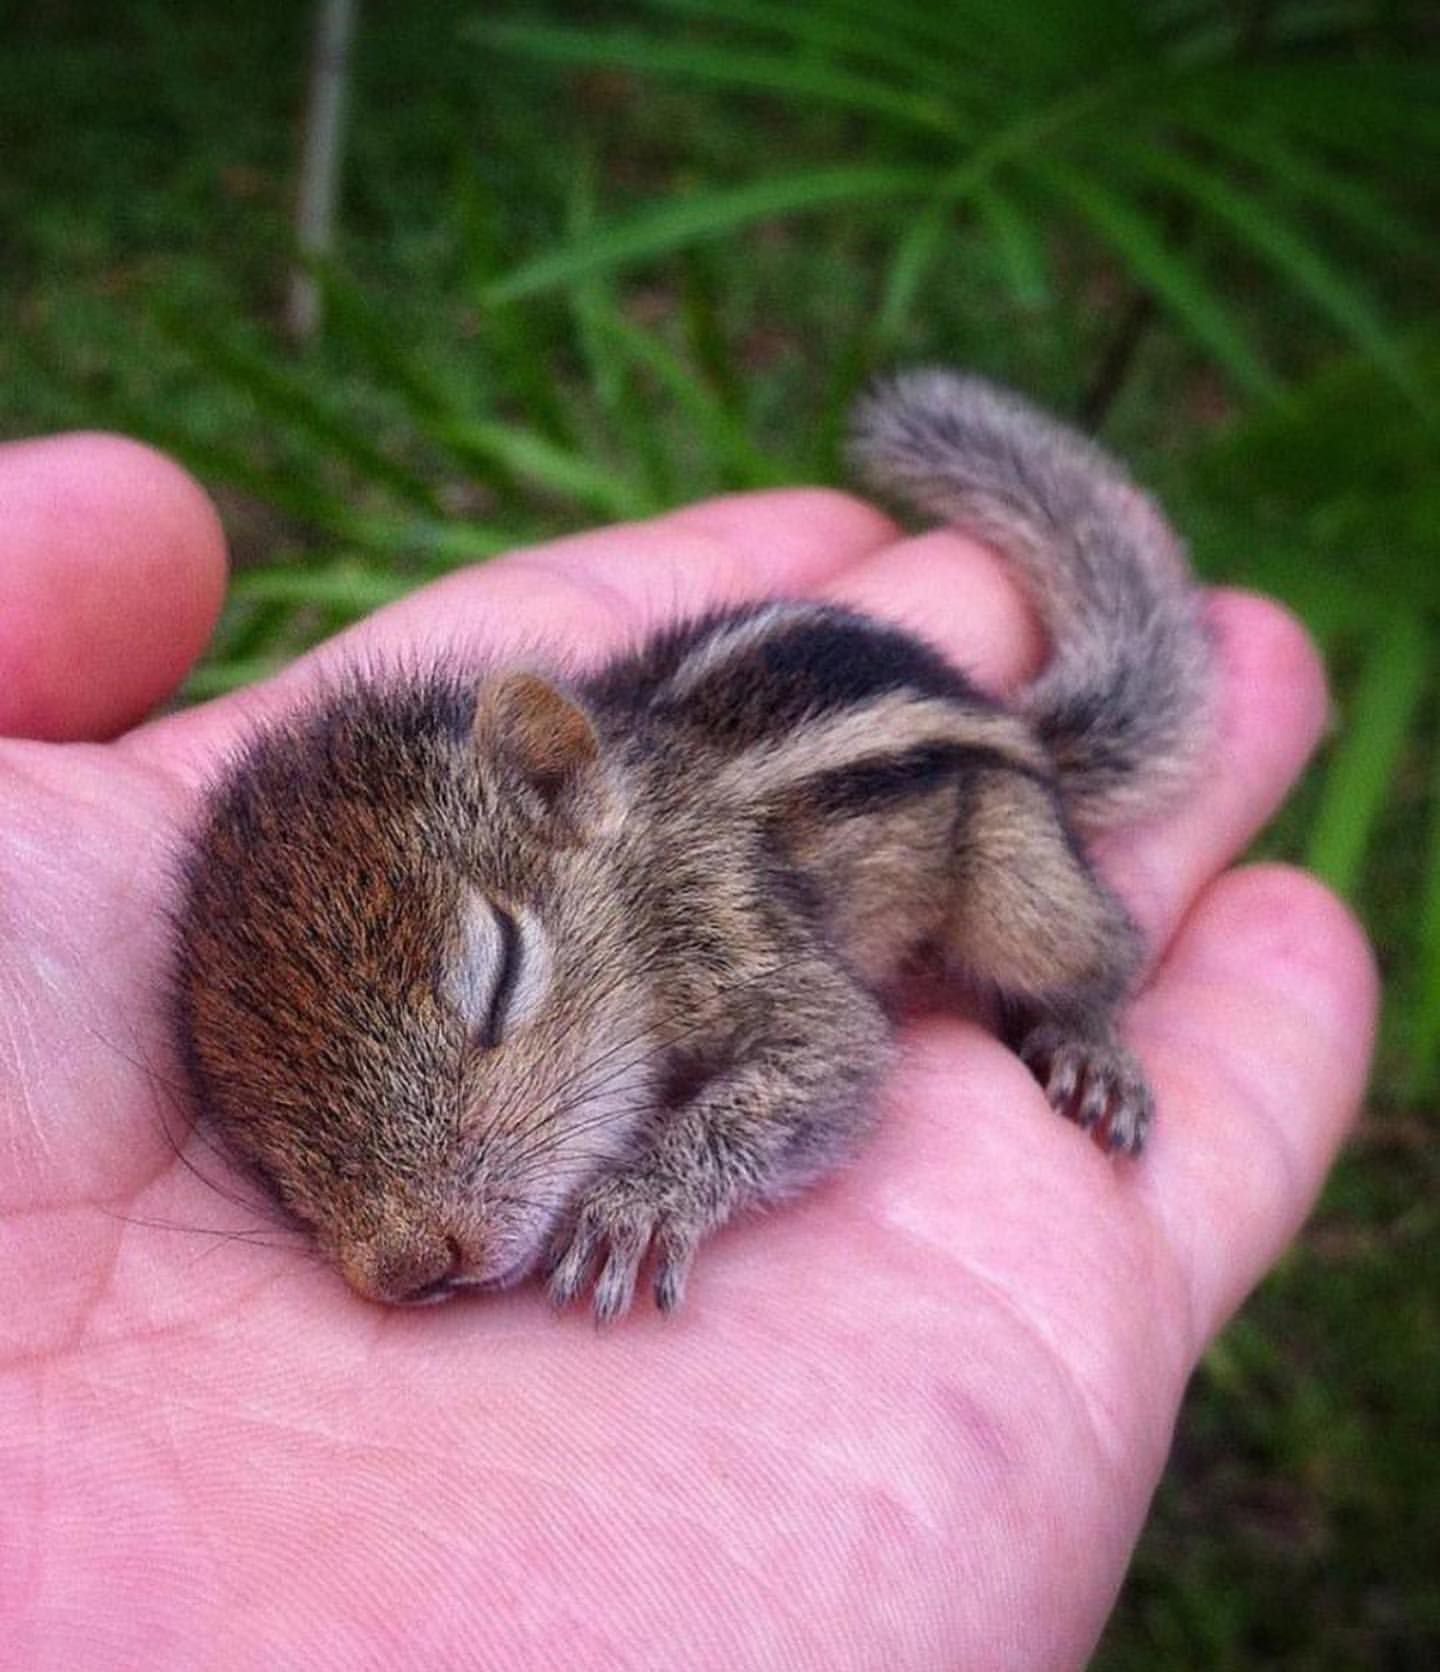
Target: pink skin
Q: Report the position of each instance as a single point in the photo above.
(912, 1421)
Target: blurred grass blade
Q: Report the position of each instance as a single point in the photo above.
(726, 438)
(516, 339)
(1343, 198)
(447, 544)
(852, 364)
(825, 30)
(1331, 603)
(288, 491)
(802, 79)
(443, 423)
(1175, 282)
(1375, 109)
(437, 416)
(351, 588)
(1363, 766)
(1261, 226)
(285, 398)
(1026, 139)
(592, 306)
(1019, 242)
(911, 264)
(248, 629)
(705, 335)
(709, 215)
(218, 679)
(1425, 1040)
(592, 296)
(553, 469)
(377, 344)
(948, 32)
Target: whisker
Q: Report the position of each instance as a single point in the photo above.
(256, 1238)
(177, 1097)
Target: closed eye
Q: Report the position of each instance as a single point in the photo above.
(490, 1033)
(499, 972)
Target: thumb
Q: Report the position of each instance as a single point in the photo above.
(112, 574)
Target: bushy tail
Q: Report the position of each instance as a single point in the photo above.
(1123, 704)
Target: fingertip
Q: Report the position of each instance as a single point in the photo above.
(1259, 1028)
(1272, 663)
(1296, 931)
(1271, 710)
(112, 575)
(1303, 951)
(804, 521)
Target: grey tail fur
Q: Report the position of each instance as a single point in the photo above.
(1122, 706)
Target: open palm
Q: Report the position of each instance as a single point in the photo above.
(913, 1421)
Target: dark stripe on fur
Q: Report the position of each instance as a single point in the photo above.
(873, 786)
(818, 664)
(631, 681)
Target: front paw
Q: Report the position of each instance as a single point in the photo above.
(618, 1220)
(1096, 1083)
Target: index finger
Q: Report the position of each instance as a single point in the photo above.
(571, 600)
(1259, 1028)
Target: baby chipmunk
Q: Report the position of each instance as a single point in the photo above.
(486, 973)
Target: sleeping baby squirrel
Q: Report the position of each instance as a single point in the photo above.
(485, 973)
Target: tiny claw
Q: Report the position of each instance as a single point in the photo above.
(1131, 1122)
(1095, 1083)
(572, 1270)
(622, 1220)
(1064, 1079)
(616, 1287)
(676, 1257)
(1094, 1101)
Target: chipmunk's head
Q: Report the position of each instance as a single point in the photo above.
(401, 986)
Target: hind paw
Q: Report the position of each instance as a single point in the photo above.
(1096, 1083)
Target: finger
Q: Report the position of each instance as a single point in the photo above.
(1272, 708)
(594, 592)
(956, 593)
(1258, 1030)
(112, 573)
(574, 600)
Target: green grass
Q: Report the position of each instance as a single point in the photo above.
(592, 272)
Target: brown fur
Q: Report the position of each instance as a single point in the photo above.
(488, 972)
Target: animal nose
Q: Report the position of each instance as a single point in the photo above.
(440, 1284)
(407, 1272)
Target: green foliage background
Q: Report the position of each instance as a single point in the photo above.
(600, 259)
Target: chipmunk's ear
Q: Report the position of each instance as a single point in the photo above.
(547, 738)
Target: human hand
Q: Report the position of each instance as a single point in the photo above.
(913, 1420)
